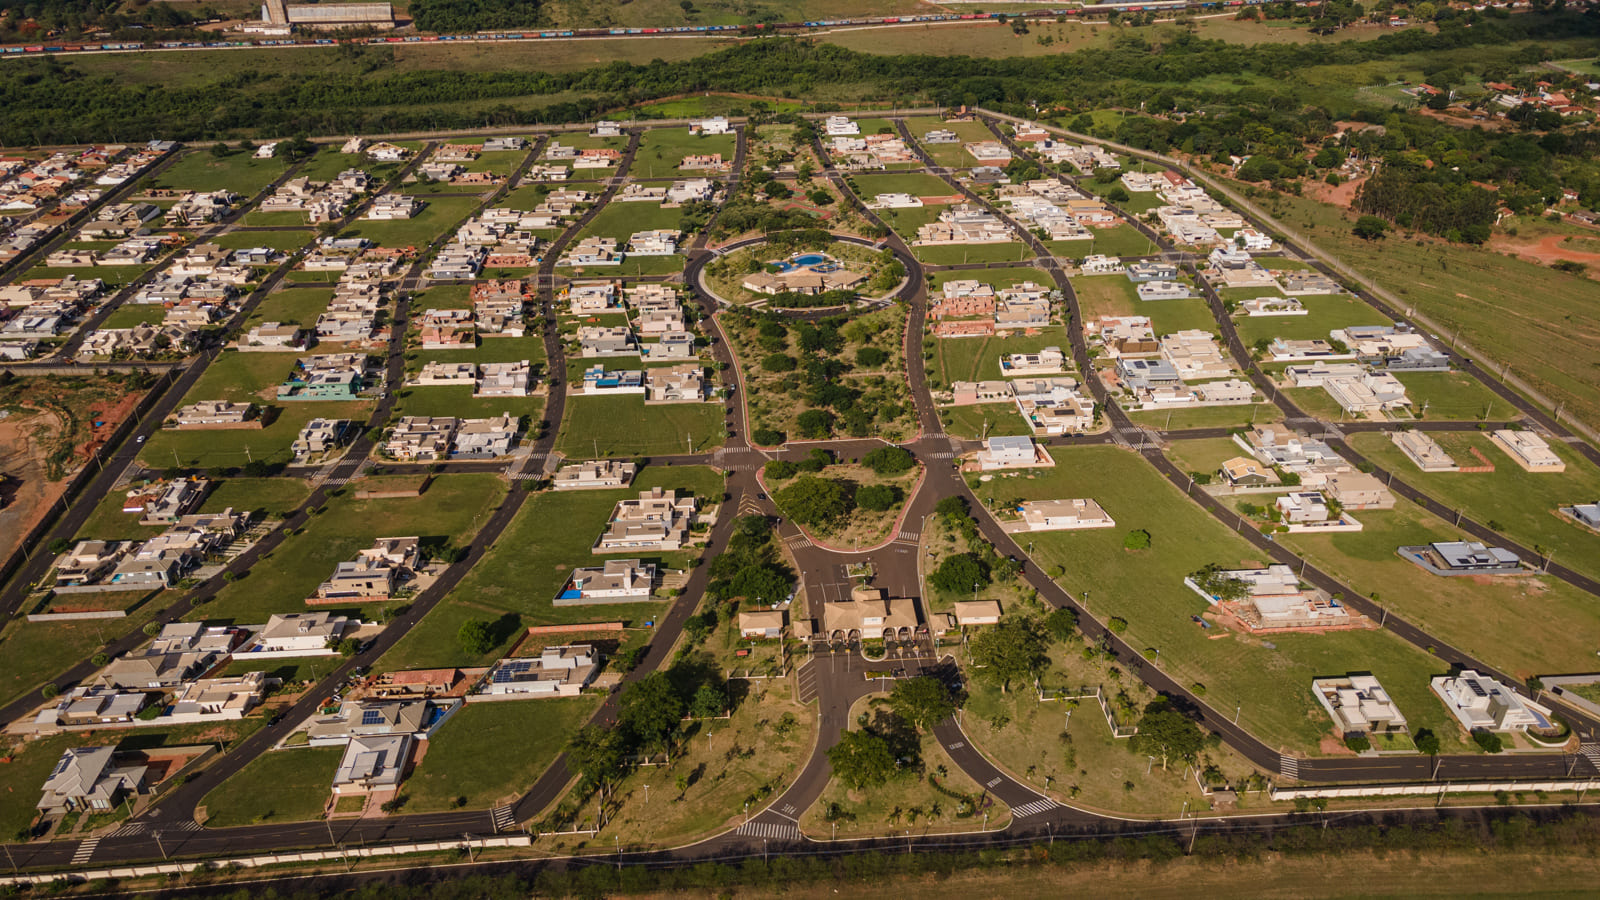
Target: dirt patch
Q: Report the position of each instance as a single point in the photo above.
(1551, 249)
(1342, 196)
(1332, 746)
(23, 455)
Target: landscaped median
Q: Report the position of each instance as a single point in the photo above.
(847, 507)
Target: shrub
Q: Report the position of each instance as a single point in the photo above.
(1487, 741)
(767, 437)
(889, 460)
(878, 497)
(871, 357)
(779, 362)
(1117, 624)
(780, 469)
(1357, 742)
(1137, 539)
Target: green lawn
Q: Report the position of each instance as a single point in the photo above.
(257, 495)
(258, 219)
(1452, 395)
(1115, 295)
(109, 523)
(130, 314)
(1323, 314)
(1146, 589)
(661, 150)
(457, 400)
(277, 240)
(277, 786)
(289, 669)
(627, 426)
(449, 513)
(905, 222)
(490, 753)
(1202, 455)
(917, 184)
(1525, 625)
(240, 172)
(440, 215)
(31, 653)
(949, 155)
(1520, 504)
(957, 254)
(515, 583)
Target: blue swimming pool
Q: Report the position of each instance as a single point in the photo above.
(809, 259)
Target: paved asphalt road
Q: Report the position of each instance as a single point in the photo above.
(834, 676)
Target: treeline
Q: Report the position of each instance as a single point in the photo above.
(49, 102)
(24, 20)
(467, 16)
(1449, 207)
(1564, 832)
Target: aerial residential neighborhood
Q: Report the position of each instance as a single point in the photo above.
(558, 450)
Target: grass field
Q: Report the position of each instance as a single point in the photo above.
(32, 653)
(130, 314)
(1145, 588)
(241, 173)
(1207, 416)
(516, 581)
(277, 240)
(277, 786)
(627, 426)
(1120, 240)
(661, 150)
(959, 254)
(622, 220)
(1452, 395)
(1520, 504)
(1483, 295)
(917, 184)
(1115, 295)
(448, 513)
(457, 400)
(1323, 314)
(949, 155)
(999, 278)
(1203, 455)
(526, 737)
(300, 306)
(441, 214)
(1527, 626)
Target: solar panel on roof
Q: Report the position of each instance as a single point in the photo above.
(372, 717)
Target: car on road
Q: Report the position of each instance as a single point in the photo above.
(139, 439)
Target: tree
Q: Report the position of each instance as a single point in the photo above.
(1137, 539)
(923, 701)
(1426, 741)
(958, 573)
(708, 701)
(878, 497)
(889, 460)
(810, 500)
(595, 755)
(476, 637)
(1167, 733)
(815, 423)
(349, 647)
(1062, 625)
(862, 759)
(649, 711)
(1010, 650)
(871, 357)
(780, 469)
(1487, 741)
(778, 362)
(1370, 228)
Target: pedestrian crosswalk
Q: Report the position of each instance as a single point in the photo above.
(797, 542)
(1591, 752)
(134, 829)
(1289, 766)
(1041, 805)
(779, 831)
(85, 850)
(941, 456)
(504, 819)
(912, 536)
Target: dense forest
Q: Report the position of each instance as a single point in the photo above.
(23, 20)
(467, 16)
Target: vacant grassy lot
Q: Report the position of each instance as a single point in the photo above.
(960, 254)
(983, 420)
(514, 584)
(277, 240)
(1525, 625)
(1203, 455)
(1121, 240)
(447, 514)
(1452, 395)
(998, 278)
(1145, 588)
(949, 155)
(241, 173)
(661, 150)
(917, 184)
(438, 216)
(1115, 295)
(1517, 503)
(31, 653)
(627, 426)
(1207, 416)
(525, 737)
(622, 220)
(299, 306)
(130, 314)
(1323, 314)
(277, 786)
